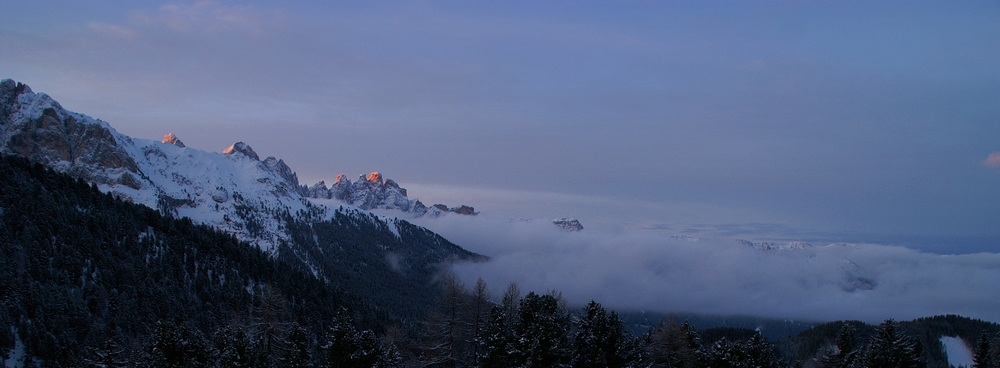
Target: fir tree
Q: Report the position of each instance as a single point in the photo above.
(675, 345)
(601, 340)
(298, 348)
(847, 349)
(983, 357)
(496, 345)
(891, 349)
(235, 349)
(542, 332)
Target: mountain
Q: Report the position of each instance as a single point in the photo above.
(325, 231)
(81, 270)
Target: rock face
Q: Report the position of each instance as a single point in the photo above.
(37, 127)
(775, 246)
(369, 192)
(241, 148)
(172, 139)
(568, 224)
(461, 210)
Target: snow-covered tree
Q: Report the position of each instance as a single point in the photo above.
(601, 340)
(891, 349)
(847, 350)
(542, 332)
(298, 355)
(675, 345)
(983, 357)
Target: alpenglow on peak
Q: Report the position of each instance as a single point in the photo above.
(243, 148)
(172, 139)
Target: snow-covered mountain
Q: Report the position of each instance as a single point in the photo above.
(234, 190)
(326, 231)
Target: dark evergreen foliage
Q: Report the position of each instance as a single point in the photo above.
(891, 349)
(755, 352)
(848, 350)
(358, 252)
(80, 268)
(601, 340)
(675, 345)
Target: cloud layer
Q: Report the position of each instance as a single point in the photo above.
(643, 270)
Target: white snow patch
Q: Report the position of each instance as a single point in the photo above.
(16, 355)
(391, 223)
(959, 354)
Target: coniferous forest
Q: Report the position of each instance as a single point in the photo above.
(88, 280)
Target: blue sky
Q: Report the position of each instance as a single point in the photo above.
(825, 120)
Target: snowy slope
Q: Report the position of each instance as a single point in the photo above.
(959, 354)
(233, 190)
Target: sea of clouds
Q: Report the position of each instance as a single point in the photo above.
(646, 270)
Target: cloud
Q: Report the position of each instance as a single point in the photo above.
(644, 270)
(211, 17)
(993, 160)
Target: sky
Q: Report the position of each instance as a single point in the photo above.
(821, 121)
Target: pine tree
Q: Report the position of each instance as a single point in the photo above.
(106, 355)
(675, 345)
(890, 349)
(847, 349)
(754, 353)
(235, 348)
(349, 348)
(983, 358)
(601, 340)
(542, 332)
(173, 345)
(298, 348)
(496, 345)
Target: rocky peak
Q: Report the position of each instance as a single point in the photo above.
(461, 210)
(339, 178)
(568, 224)
(374, 177)
(36, 127)
(172, 139)
(281, 168)
(775, 245)
(243, 148)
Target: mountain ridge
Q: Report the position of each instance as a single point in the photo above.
(257, 200)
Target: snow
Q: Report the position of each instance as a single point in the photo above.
(959, 354)
(16, 355)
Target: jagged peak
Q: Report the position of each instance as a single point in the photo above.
(242, 148)
(374, 177)
(568, 224)
(172, 139)
(280, 167)
(339, 179)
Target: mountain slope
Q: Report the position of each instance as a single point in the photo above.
(259, 201)
(79, 268)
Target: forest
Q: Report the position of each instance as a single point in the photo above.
(90, 280)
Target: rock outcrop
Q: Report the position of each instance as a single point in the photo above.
(172, 139)
(568, 224)
(241, 148)
(38, 128)
(369, 192)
